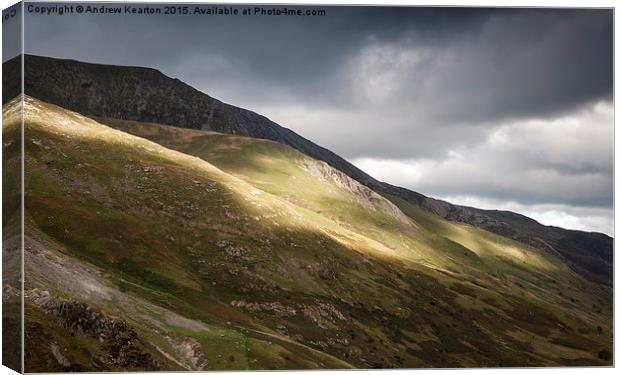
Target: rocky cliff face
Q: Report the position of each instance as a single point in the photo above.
(147, 95)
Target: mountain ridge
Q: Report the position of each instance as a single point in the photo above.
(97, 89)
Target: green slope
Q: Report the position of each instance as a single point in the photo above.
(273, 260)
(311, 184)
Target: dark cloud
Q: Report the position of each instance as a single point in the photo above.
(493, 62)
(411, 86)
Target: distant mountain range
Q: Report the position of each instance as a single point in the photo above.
(147, 95)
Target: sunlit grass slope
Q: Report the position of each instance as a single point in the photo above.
(468, 253)
(311, 184)
(286, 262)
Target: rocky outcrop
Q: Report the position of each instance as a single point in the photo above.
(272, 307)
(118, 340)
(188, 354)
(363, 194)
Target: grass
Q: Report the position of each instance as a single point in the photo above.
(334, 275)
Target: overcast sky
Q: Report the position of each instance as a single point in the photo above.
(504, 108)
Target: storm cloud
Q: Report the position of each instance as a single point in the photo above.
(510, 107)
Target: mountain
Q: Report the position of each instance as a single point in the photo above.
(151, 247)
(147, 95)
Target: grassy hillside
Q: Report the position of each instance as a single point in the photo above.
(145, 94)
(312, 184)
(211, 251)
(11, 239)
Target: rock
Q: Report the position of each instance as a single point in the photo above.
(117, 338)
(190, 352)
(273, 307)
(56, 352)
